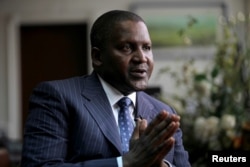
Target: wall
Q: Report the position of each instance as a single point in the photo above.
(16, 12)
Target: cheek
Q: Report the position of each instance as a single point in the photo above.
(119, 68)
(151, 67)
(122, 64)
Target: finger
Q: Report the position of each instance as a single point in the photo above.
(136, 132)
(159, 118)
(166, 133)
(143, 126)
(163, 149)
(163, 115)
(162, 126)
(162, 132)
(159, 152)
(172, 117)
(176, 118)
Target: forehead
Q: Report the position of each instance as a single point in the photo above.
(134, 30)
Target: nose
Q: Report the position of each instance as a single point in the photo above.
(140, 56)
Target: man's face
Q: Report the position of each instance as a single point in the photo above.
(127, 61)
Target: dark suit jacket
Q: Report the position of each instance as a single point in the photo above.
(71, 123)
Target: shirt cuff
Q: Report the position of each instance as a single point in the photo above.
(119, 162)
(169, 164)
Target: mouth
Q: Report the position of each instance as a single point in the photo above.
(139, 73)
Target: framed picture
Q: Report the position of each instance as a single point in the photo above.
(182, 29)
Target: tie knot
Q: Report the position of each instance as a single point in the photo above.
(124, 102)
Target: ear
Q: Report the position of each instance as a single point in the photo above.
(96, 56)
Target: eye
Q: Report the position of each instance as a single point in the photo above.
(147, 47)
(127, 48)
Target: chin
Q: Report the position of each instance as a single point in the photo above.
(140, 87)
(133, 89)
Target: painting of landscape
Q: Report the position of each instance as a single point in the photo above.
(172, 27)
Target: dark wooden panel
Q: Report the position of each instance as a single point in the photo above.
(50, 52)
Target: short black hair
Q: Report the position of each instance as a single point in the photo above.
(102, 27)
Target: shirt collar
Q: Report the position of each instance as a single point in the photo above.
(113, 94)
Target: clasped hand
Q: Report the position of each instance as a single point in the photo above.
(150, 143)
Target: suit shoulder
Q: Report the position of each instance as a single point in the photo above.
(61, 82)
(152, 99)
(73, 83)
(158, 104)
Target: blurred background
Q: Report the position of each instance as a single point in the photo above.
(200, 47)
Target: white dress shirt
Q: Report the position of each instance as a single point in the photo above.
(114, 96)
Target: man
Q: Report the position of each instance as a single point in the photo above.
(75, 122)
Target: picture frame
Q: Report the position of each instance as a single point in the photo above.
(182, 29)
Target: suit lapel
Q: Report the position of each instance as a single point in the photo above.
(98, 105)
(144, 108)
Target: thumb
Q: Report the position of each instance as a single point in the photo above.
(140, 127)
(143, 126)
(136, 132)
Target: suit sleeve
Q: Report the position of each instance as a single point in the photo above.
(46, 133)
(180, 155)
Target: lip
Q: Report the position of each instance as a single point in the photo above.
(139, 73)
